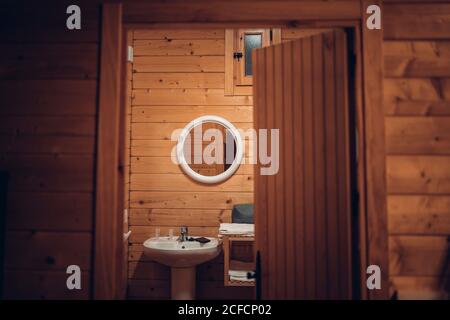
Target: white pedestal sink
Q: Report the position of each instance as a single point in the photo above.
(182, 258)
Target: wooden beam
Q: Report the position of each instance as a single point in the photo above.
(377, 236)
(108, 220)
(229, 48)
(180, 11)
(417, 21)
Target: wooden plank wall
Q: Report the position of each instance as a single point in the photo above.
(178, 75)
(48, 92)
(417, 108)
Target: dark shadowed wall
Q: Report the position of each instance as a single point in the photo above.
(48, 102)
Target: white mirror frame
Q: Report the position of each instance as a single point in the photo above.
(224, 175)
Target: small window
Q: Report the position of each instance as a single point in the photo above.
(245, 42)
(239, 45)
(251, 41)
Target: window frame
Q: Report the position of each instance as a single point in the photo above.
(236, 83)
(241, 79)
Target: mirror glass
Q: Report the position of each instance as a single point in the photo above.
(209, 148)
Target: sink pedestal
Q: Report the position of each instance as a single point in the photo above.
(182, 283)
(182, 257)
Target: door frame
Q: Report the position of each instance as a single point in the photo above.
(118, 18)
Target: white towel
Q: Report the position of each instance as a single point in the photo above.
(237, 228)
(241, 279)
(238, 273)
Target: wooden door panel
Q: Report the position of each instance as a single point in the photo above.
(303, 212)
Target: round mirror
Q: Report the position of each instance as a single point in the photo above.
(209, 149)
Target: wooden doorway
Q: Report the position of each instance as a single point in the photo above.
(108, 229)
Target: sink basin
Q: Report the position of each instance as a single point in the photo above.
(182, 258)
(172, 253)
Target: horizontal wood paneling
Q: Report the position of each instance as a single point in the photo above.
(47, 163)
(179, 47)
(189, 200)
(185, 114)
(418, 215)
(151, 148)
(413, 288)
(159, 165)
(46, 144)
(418, 256)
(156, 131)
(178, 64)
(46, 125)
(46, 285)
(418, 174)
(171, 34)
(42, 250)
(136, 254)
(210, 290)
(160, 289)
(148, 270)
(49, 211)
(180, 182)
(211, 271)
(144, 289)
(178, 75)
(48, 61)
(170, 217)
(406, 107)
(68, 173)
(416, 58)
(178, 80)
(164, 131)
(187, 97)
(416, 67)
(163, 148)
(417, 89)
(416, 21)
(417, 135)
(48, 97)
(164, 165)
(417, 106)
(429, 50)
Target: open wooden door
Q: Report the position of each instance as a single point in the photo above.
(303, 213)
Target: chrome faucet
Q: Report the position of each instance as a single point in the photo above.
(183, 234)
